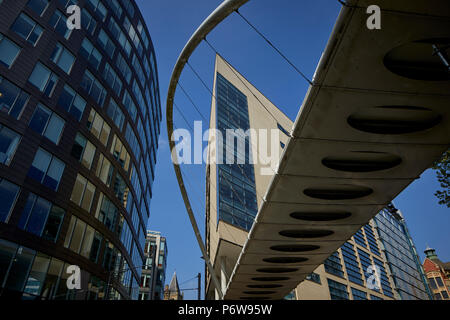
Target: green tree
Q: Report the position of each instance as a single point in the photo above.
(442, 168)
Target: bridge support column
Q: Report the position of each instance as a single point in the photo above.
(223, 274)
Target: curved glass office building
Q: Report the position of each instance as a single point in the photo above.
(79, 125)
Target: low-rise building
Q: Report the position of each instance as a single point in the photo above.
(438, 275)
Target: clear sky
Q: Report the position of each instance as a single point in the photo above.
(301, 30)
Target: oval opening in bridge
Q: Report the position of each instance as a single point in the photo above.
(277, 270)
(362, 162)
(394, 119)
(259, 292)
(339, 192)
(320, 216)
(305, 234)
(294, 248)
(264, 286)
(285, 260)
(420, 60)
(271, 279)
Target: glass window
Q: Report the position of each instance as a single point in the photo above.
(72, 102)
(62, 292)
(47, 123)
(338, 291)
(133, 141)
(83, 193)
(116, 7)
(43, 79)
(116, 114)
(88, 155)
(78, 146)
(54, 173)
(12, 99)
(95, 248)
(135, 218)
(7, 252)
(123, 67)
(92, 55)
(9, 140)
(88, 22)
(78, 189)
(88, 196)
(51, 281)
(98, 8)
(129, 7)
(27, 28)
(106, 43)
(83, 150)
(121, 189)
(63, 58)
(112, 79)
(8, 51)
(114, 28)
(41, 218)
(98, 127)
(94, 88)
(8, 196)
(314, 277)
(59, 22)
(46, 169)
(107, 212)
(120, 153)
(38, 6)
(104, 170)
(129, 104)
(36, 212)
(439, 282)
(53, 224)
(18, 272)
(87, 242)
(40, 76)
(333, 265)
(123, 41)
(358, 294)
(37, 275)
(66, 3)
(77, 235)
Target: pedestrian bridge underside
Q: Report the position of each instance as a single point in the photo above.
(376, 117)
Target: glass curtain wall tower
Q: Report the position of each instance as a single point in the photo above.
(234, 183)
(385, 243)
(79, 134)
(236, 192)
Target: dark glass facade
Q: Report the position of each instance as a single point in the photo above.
(79, 125)
(402, 257)
(351, 264)
(154, 273)
(333, 265)
(236, 190)
(392, 251)
(338, 291)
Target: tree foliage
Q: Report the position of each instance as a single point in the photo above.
(442, 168)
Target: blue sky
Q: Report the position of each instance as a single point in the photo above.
(301, 30)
